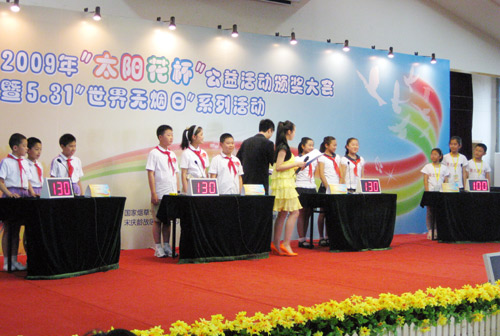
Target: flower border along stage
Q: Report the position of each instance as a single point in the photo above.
(363, 316)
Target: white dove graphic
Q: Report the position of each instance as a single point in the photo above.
(400, 129)
(411, 78)
(395, 99)
(424, 112)
(372, 85)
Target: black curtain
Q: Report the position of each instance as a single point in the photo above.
(461, 110)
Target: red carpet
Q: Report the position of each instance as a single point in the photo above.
(146, 291)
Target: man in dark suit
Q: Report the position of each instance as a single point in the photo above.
(256, 154)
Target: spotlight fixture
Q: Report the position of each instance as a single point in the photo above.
(433, 59)
(293, 40)
(346, 46)
(328, 41)
(234, 30)
(171, 22)
(416, 53)
(15, 6)
(373, 47)
(391, 53)
(97, 13)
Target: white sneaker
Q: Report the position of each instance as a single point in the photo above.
(167, 249)
(159, 252)
(13, 267)
(18, 266)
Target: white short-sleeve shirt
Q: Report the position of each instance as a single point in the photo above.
(435, 176)
(478, 170)
(351, 178)
(165, 172)
(305, 177)
(455, 165)
(331, 175)
(9, 172)
(36, 181)
(191, 162)
(228, 181)
(59, 167)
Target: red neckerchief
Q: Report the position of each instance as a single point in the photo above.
(39, 171)
(19, 160)
(355, 161)
(198, 153)
(70, 168)
(230, 164)
(335, 165)
(170, 163)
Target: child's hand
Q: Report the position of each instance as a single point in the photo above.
(154, 199)
(301, 164)
(13, 195)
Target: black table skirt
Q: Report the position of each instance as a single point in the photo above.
(219, 228)
(465, 216)
(356, 222)
(68, 237)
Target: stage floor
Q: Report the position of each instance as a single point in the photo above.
(146, 291)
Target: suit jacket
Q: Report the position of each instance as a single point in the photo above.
(256, 154)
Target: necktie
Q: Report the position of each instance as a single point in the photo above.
(198, 153)
(310, 171)
(39, 171)
(70, 168)
(170, 163)
(230, 164)
(20, 167)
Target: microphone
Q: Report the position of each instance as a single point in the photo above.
(305, 160)
(67, 170)
(197, 165)
(349, 172)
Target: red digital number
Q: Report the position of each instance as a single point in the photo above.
(204, 188)
(480, 185)
(212, 188)
(67, 188)
(376, 186)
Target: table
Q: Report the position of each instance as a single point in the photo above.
(220, 228)
(68, 237)
(465, 216)
(356, 222)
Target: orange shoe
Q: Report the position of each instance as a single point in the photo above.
(274, 250)
(287, 252)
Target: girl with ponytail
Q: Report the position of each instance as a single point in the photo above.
(286, 201)
(194, 160)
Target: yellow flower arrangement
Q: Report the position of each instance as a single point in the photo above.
(365, 316)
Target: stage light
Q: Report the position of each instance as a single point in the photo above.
(15, 6)
(171, 22)
(234, 30)
(328, 41)
(373, 47)
(97, 13)
(391, 53)
(293, 41)
(346, 46)
(416, 53)
(433, 59)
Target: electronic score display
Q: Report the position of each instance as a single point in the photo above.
(55, 187)
(369, 186)
(203, 187)
(479, 185)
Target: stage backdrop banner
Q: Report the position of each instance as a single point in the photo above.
(112, 83)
